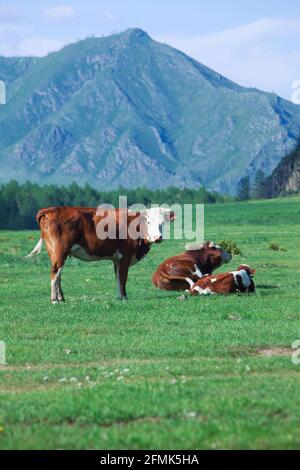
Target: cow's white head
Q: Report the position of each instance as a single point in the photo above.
(153, 220)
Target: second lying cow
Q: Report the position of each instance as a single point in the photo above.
(194, 263)
(240, 280)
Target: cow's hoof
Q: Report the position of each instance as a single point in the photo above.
(57, 301)
(123, 298)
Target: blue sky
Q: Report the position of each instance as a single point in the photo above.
(254, 43)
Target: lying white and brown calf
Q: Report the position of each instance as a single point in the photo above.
(194, 263)
(240, 280)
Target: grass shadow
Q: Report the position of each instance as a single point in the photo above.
(267, 287)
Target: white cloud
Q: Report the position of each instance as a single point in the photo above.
(262, 54)
(38, 46)
(19, 41)
(10, 36)
(17, 38)
(60, 13)
(9, 13)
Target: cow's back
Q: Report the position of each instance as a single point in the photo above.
(176, 264)
(72, 226)
(218, 284)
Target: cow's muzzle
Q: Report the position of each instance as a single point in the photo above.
(226, 257)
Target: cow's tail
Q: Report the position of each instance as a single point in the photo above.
(36, 250)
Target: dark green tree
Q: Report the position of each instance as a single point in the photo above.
(259, 188)
(244, 189)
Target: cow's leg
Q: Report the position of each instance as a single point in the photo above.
(116, 269)
(121, 270)
(172, 285)
(56, 292)
(56, 269)
(165, 284)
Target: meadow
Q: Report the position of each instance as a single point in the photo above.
(155, 372)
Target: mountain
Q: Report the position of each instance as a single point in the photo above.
(286, 177)
(11, 68)
(125, 110)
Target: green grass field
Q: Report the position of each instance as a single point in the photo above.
(154, 372)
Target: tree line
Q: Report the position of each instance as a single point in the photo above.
(19, 203)
(252, 190)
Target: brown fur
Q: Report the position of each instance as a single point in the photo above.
(64, 227)
(225, 283)
(171, 274)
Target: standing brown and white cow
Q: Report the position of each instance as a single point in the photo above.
(194, 263)
(75, 231)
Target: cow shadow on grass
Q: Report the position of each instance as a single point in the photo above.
(177, 295)
(161, 297)
(266, 286)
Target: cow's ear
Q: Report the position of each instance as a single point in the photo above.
(170, 216)
(252, 271)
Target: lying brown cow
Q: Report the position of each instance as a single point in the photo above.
(193, 264)
(75, 231)
(240, 280)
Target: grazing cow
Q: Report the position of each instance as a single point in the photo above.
(198, 260)
(75, 231)
(240, 280)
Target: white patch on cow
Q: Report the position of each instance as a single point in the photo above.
(78, 252)
(189, 281)
(154, 220)
(197, 272)
(201, 291)
(213, 280)
(214, 245)
(194, 246)
(246, 281)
